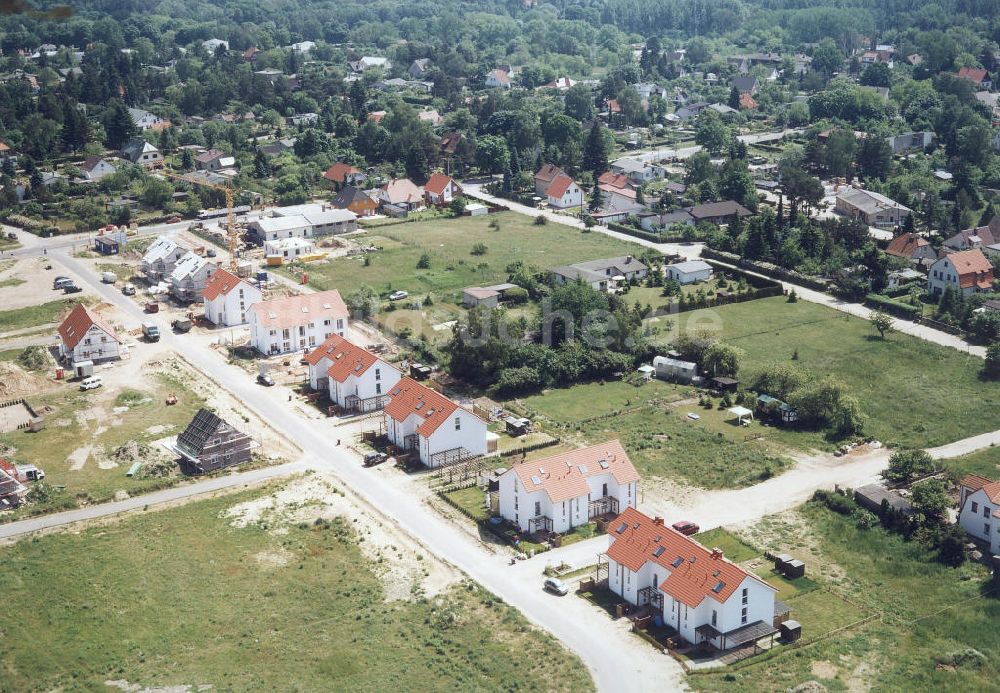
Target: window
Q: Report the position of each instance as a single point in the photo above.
(743, 616)
(340, 324)
(538, 508)
(458, 423)
(378, 388)
(986, 511)
(378, 374)
(975, 507)
(986, 528)
(715, 617)
(604, 490)
(326, 323)
(745, 596)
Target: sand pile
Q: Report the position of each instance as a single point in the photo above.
(14, 382)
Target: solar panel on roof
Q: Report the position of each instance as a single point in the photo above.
(622, 527)
(420, 405)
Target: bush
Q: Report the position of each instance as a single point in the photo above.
(479, 249)
(33, 358)
(865, 519)
(837, 502)
(541, 220)
(894, 308)
(424, 262)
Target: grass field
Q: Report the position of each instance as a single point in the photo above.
(32, 316)
(915, 393)
(984, 463)
(449, 243)
(732, 547)
(70, 432)
(929, 615)
(181, 597)
(652, 423)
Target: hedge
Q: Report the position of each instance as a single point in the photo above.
(640, 233)
(765, 268)
(892, 307)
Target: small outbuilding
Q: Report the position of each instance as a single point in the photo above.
(743, 415)
(724, 384)
(106, 245)
(790, 630)
(480, 296)
(689, 272)
(668, 368)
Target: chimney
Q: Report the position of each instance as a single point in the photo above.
(716, 553)
(658, 521)
(628, 259)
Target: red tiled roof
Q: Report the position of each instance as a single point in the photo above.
(973, 269)
(614, 106)
(346, 358)
(559, 185)
(76, 324)
(4, 147)
(565, 476)
(410, 397)
(698, 574)
(622, 192)
(292, 311)
(220, 284)
(747, 102)
(615, 180)
(976, 74)
(437, 183)
(974, 483)
(339, 172)
(501, 76)
(906, 245)
(376, 116)
(548, 173)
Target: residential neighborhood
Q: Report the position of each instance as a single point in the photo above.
(530, 346)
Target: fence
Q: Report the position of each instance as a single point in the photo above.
(525, 449)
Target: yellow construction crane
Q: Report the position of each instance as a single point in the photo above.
(232, 232)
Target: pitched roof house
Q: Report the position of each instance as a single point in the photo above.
(160, 258)
(341, 174)
(872, 208)
(139, 151)
(602, 275)
(227, 298)
(355, 200)
(209, 443)
(95, 168)
(552, 183)
(969, 239)
(910, 246)
(968, 271)
(403, 194)
(719, 212)
(190, 276)
(84, 336)
(977, 76)
(979, 509)
(425, 422)
(356, 379)
(296, 323)
(697, 591)
(558, 493)
(441, 189)
(498, 78)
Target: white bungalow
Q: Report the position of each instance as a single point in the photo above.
(421, 420)
(558, 493)
(689, 272)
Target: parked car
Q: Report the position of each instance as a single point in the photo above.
(129, 289)
(374, 458)
(398, 295)
(556, 586)
(211, 252)
(71, 289)
(61, 282)
(686, 527)
(265, 379)
(173, 219)
(152, 307)
(91, 382)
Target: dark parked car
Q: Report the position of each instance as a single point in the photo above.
(686, 527)
(71, 289)
(374, 458)
(265, 380)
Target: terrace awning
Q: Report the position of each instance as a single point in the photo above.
(751, 632)
(741, 413)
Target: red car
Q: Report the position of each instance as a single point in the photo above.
(686, 527)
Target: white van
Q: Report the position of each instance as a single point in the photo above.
(109, 277)
(91, 382)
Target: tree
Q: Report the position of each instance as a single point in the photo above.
(118, 125)
(840, 148)
(579, 102)
(874, 157)
(596, 199)
(883, 323)
(827, 58)
(930, 500)
(595, 150)
(905, 464)
(363, 302)
(156, 193)
(424, 262)
(734, 99)
(736, 183)
(722, 359)
(187, 160)
(492, 154)
(991, 368)
(711, 132)
(876, 75)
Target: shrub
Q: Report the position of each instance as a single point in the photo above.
(541, 220)
(479, 249)
(32, 358)
(837, 502)
(424, 262)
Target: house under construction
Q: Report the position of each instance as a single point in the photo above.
(11, 490)
(209, 443)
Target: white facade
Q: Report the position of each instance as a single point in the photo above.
(374, 383)
(518, 505)
(96, 345)
(161, 257)
(572, 197)
(289, 249)
(976, 516)
(190, 276)
(689, 272)
(281, 326)
(230, 308)
(99, 170)
(463, 430)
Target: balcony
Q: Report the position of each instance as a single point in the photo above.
(606, 506)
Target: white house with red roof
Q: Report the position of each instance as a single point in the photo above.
(84, 336)
(343, 174)
(968, 271)
(441, 189)
(296, 323)
(499, 78)
(227, 299)
(356, 379)
(552, 183)
(979, 509)
(558, 493)
(437, 429)
(697, 591)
